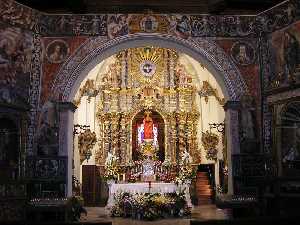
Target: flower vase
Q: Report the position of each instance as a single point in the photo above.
(110, 182)
(188, 181)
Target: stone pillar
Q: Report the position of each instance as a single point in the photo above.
(233, 143)
(66, 118)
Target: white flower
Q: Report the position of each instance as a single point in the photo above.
(186, 158)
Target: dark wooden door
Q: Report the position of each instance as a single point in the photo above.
(91, 185)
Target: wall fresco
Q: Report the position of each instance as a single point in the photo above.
(19, 15)
(248, 67)
(51, 65)
(15, 59)
(54, 25)
(285, 57)
(117, 25)
(21, 59)
(191, 25)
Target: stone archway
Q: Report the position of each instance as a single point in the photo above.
(94, 50)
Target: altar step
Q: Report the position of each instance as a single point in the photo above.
(203, 188)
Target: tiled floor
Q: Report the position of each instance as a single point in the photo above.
(206, 212)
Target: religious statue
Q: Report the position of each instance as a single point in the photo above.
(291, 49)
(148, 126)
(247, 113)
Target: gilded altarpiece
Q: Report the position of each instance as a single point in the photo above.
(146, 79)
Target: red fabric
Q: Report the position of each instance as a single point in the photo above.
(148, 128)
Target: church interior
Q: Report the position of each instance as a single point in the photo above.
(125, 112)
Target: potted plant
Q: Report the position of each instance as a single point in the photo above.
(75, 208)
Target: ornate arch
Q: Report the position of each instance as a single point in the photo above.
(94, 50)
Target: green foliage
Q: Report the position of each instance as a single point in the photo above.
(75, 208)
(150, 206)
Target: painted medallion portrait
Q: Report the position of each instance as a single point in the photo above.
(57, 51)
(243, 53)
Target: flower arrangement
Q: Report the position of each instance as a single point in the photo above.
(111, 167)
(186, 172)
(210, 142)
(167, 163)
(86, 142)
(150, 206)
(75, 208)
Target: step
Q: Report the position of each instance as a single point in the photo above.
(199, 191)
(203, 189)
(204, 195)
(202, 175)
(204, 202)
(204, 198)
(206, 192)
(201, 180)
(199, 172)
(203, 185)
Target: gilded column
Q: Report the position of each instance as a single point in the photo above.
(100, 151)
(122, 59)
(106, 101)
(181, 121)
(172, 68)
(181, 99)
(123, 139)
(114, 100)
(107, 134)
(173, 137)
(195, 151)
(189, 133)
(115, 133)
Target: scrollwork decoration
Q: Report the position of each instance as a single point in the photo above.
(207, 90)
(210, 142)
(86, 142)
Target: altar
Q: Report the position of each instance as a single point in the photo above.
(150, 187)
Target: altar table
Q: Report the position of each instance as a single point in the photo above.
(155, 187)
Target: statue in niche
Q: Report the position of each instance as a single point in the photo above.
(291, 50)
(47, 135)
(148, 126)
(183, 78)
(247, 113)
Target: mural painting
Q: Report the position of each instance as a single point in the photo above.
(56, 51)
(117, 25)
(285, 57)
(15, 59)
(243, 53)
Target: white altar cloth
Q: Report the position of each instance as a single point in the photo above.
(155, 187)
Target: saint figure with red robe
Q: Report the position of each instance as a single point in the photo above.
(148, 126)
